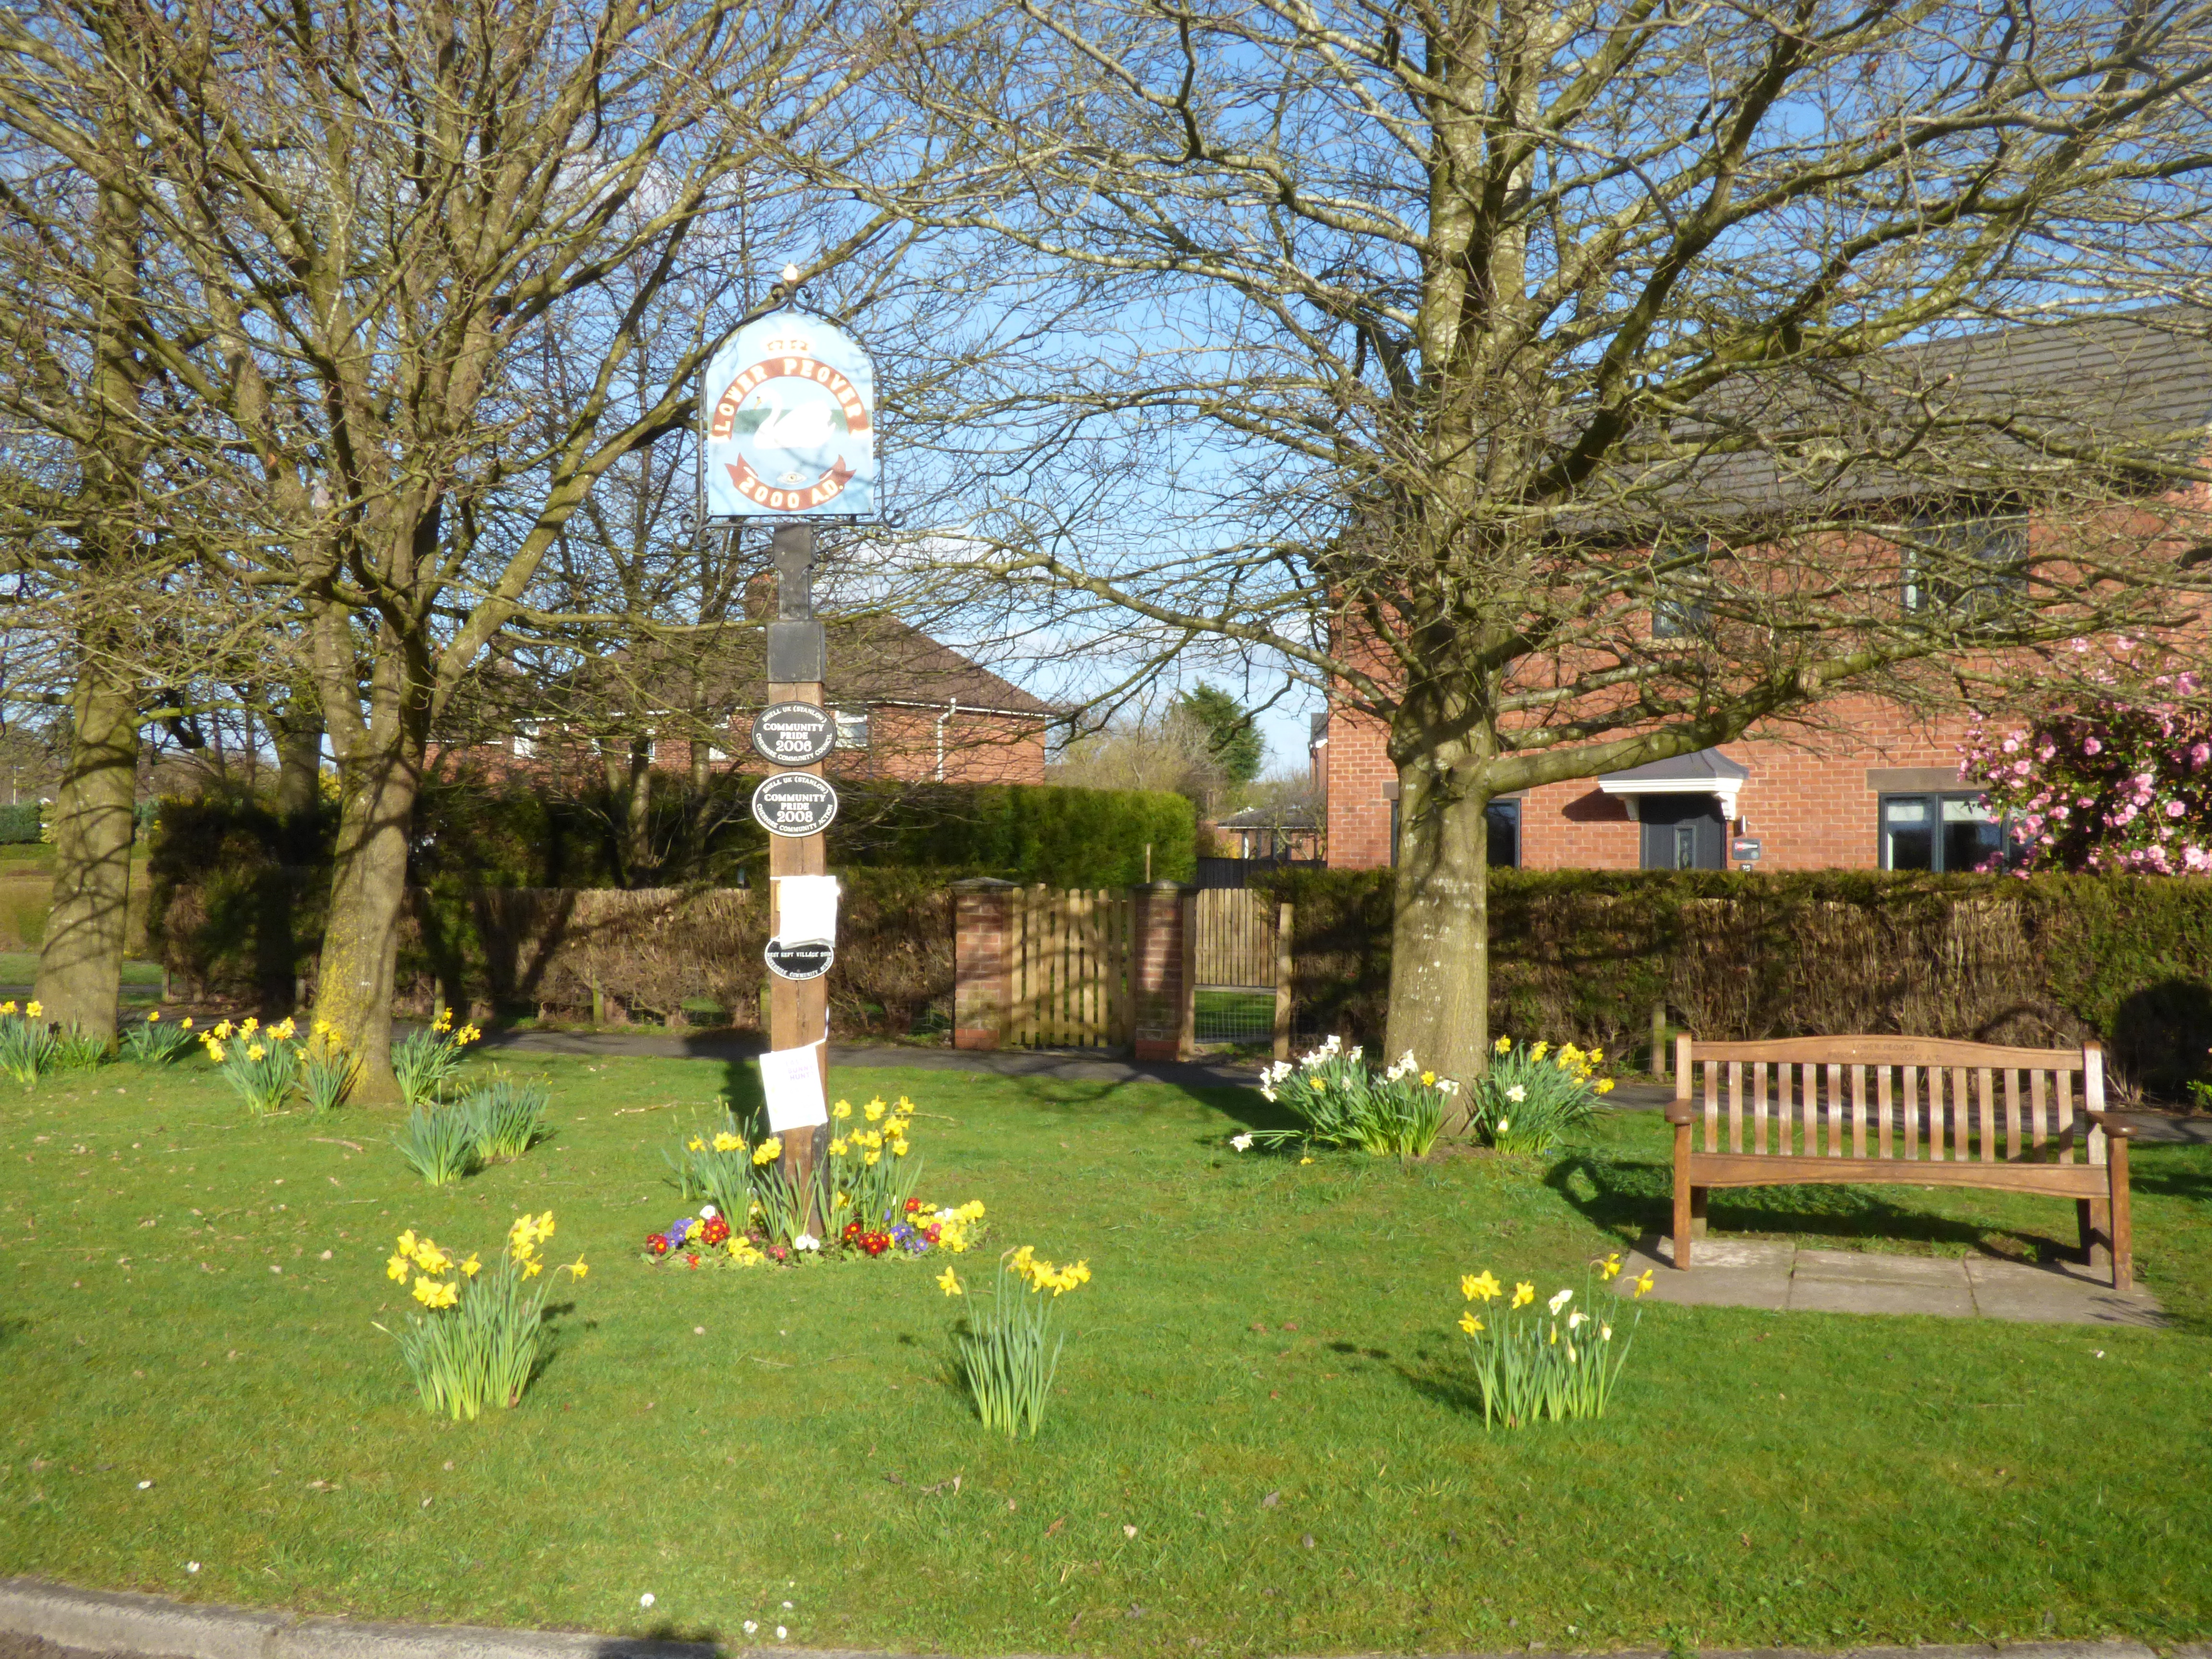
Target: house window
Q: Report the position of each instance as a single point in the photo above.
(1951, 832)
(1941, 574)
(852, 728)
(1690, 558)
(525, 739)
(1502, 818)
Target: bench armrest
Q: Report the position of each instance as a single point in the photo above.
(2112, 1125)
(1681, 1111)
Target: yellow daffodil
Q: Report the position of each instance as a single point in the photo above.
(949, 1282)
(837, 1150)
(875, 1109)
(34, 1009)
(396, 1268)
(249, 1025)
(282, 1031)
(431, 1259)
(873, 1158)
(727, 1142)
(1305, 1161)
(1523, 1294)
(768, 1150)
(532, 1268)
(468, 1034)
(1428, 1079)
(186, 1022)
(1469, 1324)
(577, 1269)
(1503, 1045)
(1540, 1049)
(1609, 1269)
(426, 1291)
(545, 1224)
(407, 1243)
(841, 1110)
(222, 1032)
(154, 1019)
(9, 1006)
(254, 1051)
(899, 1149)
(1643, 1283)
(472, 1266)
(1604, 1085)
(215, 1053)
(695, 1145)
(1479, 1285)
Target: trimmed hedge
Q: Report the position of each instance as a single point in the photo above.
(1584, 954)
(19, 823)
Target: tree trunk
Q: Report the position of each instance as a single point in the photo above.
(299, 734)
(358, 968)
(80, 959)
(1440, 930)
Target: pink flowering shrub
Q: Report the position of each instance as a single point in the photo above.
(2123, 783)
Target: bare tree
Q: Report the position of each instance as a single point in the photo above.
(381, 217)
(1438, 352)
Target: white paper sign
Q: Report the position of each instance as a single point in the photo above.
(805, 907)
(791, 1082)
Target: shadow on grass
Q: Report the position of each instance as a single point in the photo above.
(1629, 1200)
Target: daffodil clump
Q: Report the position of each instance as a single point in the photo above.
(1535, 1094)
(1559, 1363)
(260, 1062)
(155, 1041)
(1398, 1113)
(27, 1045)
(860, 1199)
(1007, 1352)
(475, 1340)
(427, 1058)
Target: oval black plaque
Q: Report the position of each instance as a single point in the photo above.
(799, 958)
(794, 804)
(794, 733)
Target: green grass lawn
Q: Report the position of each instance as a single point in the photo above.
(22, 967)
(1262, 1440)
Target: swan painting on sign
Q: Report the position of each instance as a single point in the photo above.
(790, 408)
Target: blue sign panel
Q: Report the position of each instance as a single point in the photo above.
(789, 410)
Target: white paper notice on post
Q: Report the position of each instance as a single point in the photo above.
(791, 1082)
(805, 907)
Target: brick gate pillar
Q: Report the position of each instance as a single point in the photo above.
(982, 914)
(1162, 949)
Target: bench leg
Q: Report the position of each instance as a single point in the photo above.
(1698, 1211)
(1684, 1202)
(2093, 1217)
(2123, 1222)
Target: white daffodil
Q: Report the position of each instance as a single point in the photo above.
(807, 1241)
(1516, 1094)
(1559, 1301)
(1242, 1143)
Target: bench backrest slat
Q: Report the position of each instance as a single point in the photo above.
(1795, 1095)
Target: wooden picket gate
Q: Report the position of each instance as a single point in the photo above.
(1241, 989)
(1067, 968)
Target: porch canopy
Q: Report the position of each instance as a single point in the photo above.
(1708, 772)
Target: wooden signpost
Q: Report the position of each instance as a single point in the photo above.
(787, 409)
(798, 1009)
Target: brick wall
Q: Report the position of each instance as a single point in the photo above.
(1809, 799)
(1162, 935)
(980, 995)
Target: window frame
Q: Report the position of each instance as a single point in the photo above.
(1935, 797)
(1681, 619)
(2007, 528)
(846, 721)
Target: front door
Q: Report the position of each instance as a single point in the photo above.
(1684, 832)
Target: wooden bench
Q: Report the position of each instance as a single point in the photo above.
(1900, 1110)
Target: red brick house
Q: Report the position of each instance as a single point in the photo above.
(1876, 787)
(910, 709)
